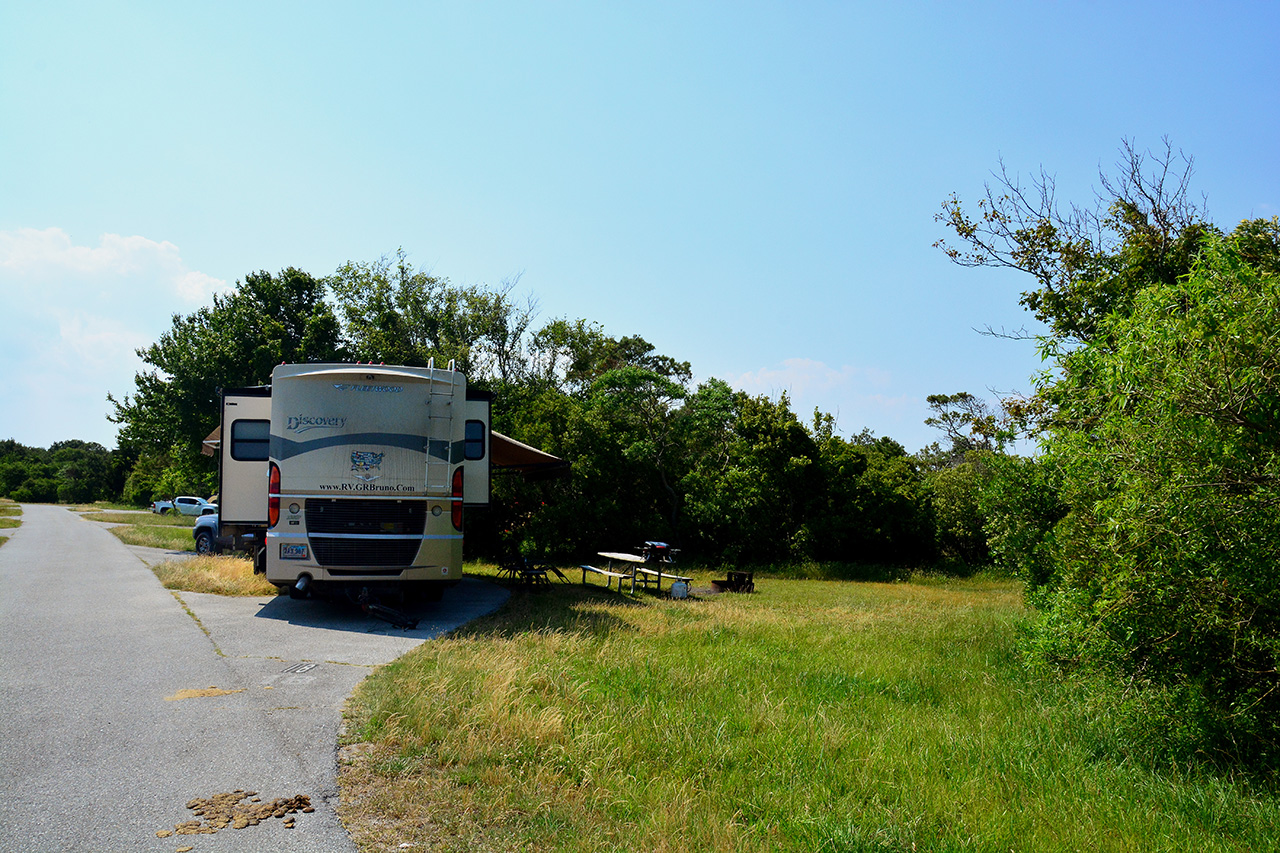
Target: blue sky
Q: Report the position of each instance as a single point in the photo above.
(749, 186)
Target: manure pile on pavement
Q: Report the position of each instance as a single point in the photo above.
(231, 810)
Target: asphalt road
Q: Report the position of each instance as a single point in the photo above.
(100, 748)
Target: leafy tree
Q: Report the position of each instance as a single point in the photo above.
(36, 490)
(235, 342)
(599, 402)
(748, 507)
(572, 355)
(969, 425)
(18, 463)
(142, 486)
(637, 405)
(396, 314)
(71, 471)
(1087, 263)
(84, 471)
(1021, 505)
(1147, 531)
(956, 493)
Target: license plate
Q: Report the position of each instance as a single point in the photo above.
(293, 552)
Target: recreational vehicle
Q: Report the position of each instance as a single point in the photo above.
(350, 476)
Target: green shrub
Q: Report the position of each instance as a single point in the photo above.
(44, 490)
(1167, 443)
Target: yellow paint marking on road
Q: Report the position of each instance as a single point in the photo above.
(201, 694)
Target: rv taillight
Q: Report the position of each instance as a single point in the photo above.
(457, 498)
(273, 495)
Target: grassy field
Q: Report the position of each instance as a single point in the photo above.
(809, 716)
(103, 506)
(170, 531)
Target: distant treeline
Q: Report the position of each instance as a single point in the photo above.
(67, 471)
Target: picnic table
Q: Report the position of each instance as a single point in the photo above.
(530, 575)
(634, 568)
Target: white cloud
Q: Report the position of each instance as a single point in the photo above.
(858, 397)
(98, 340)
(807, 377)
(198, 287)
(49, 257)
(76, 315)
(32, 251)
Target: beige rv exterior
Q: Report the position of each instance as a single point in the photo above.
(367, 469)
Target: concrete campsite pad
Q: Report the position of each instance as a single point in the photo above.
(280, 627)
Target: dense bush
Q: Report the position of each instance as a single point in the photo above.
(1020, 507)
(1167, 443)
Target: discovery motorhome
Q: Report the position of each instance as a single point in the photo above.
(355, 476)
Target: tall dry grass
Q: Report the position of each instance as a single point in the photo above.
(217, 575)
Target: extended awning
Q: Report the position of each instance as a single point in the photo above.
(508, 456)
(212, 442)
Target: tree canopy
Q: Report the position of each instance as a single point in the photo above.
(1087, 262)
(234, 342)
(726, 475)
(1147, 530)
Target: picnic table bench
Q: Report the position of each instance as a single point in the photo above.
(656, 576)
(608, 576)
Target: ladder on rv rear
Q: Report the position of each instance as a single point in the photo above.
(440, 413)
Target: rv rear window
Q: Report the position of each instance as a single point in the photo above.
(474, 448)
(250, 440)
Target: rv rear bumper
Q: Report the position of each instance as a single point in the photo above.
(332, 559)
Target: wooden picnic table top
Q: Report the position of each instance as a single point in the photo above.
(658, 572)
(617, 555)
(586, 568)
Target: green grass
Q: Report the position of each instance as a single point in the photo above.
(101, 506)
(170, 532)
(810, 716)
(169, 538)
(8, 511)
(143, 519)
